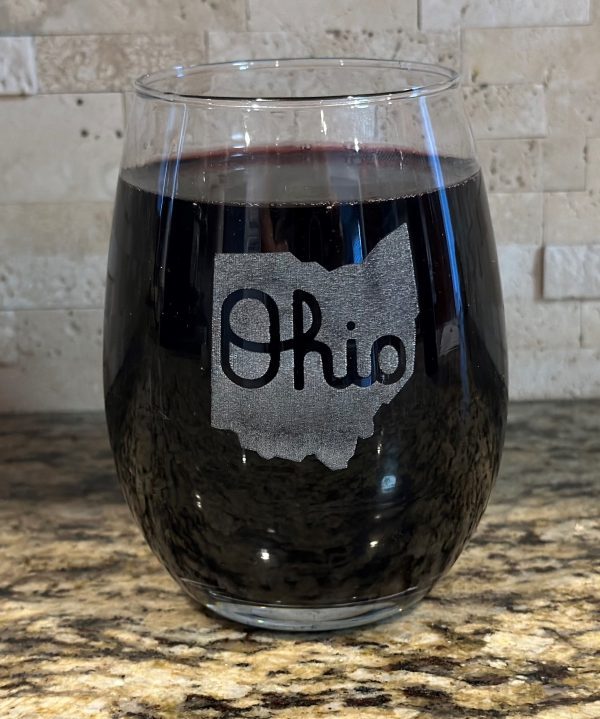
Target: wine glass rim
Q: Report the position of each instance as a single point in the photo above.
(439, 79)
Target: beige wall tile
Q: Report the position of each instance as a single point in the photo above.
(511, 165)
(592, 178)
(506, 111)
(535, 55)
(115, 16)
(224, 46)
(340, 15)
(9, 354)
(43, 227)
(109, 63)
(563, 162)
(517, 217)
(52, 281)
(445, 14)
(554, 374)
(60, 148)
(590, 325)
(17, 66)
(59, 362)
(520, 271)
(571, 218)
(53, 255)
(572, 272)
(400, 43)
(573, 107)
(393, 44)
(542, 325)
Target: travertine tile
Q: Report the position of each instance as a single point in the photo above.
(42, 227)
(446, 14)
(592, 177)
(557, 374)
(60, 148)
(116, 16)
(506, 111)
(573, 107)
(520, 271)
(52, 281)
(590, 325)
(9, 354)
(59, 362)
(17, 66)
(539, 325)
(563, 162)
(53, 255)
(400, 44)
(517, 217)
(571, 218)
(511, 165)
(108, 63)
(538, 55)
(224, 46)
(340, 15)
(572, 272)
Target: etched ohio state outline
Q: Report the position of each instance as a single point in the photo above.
(302, 357)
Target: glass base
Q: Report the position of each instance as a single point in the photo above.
(307, 619)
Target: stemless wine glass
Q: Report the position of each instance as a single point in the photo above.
(305, 364)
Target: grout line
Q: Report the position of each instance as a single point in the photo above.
(247, 8)
(549, 26)
(540, 287)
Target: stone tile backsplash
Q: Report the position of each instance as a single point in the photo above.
(76, 17)
(572, 272)
(444, 14)
(107, 63)
(60, 148)
(17, 66)
(58, 362)
(531, 72)
(53, 255)
(375, 15)
(400, 42)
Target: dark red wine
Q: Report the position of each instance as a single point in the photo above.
(305, 369)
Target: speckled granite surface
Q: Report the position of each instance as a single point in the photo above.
(92, 626)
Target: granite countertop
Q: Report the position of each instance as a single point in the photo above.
(92, 626)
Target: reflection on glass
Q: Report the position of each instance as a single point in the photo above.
(388, 483)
